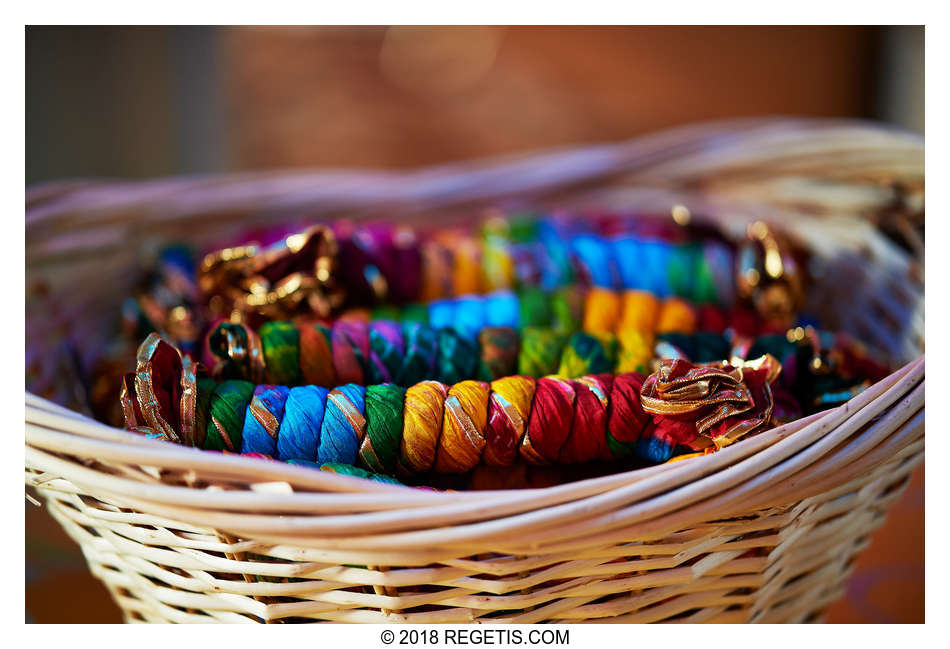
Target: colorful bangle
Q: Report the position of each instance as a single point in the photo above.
(320, 269)
(451, 429)
(475, 337)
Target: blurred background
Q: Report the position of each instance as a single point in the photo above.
(149, 101)
(135, 102)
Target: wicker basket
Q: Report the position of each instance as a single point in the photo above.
(765, 530)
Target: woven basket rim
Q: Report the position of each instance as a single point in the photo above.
(411, 185)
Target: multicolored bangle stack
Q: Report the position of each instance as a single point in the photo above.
(380, 351)
(320, 271)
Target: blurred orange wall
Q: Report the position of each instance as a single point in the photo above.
(404, 96)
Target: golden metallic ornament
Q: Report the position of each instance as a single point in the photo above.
(768, 274)
(291, 277)
(712, 393)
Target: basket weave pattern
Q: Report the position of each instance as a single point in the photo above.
(763, 531)
(159, 570)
